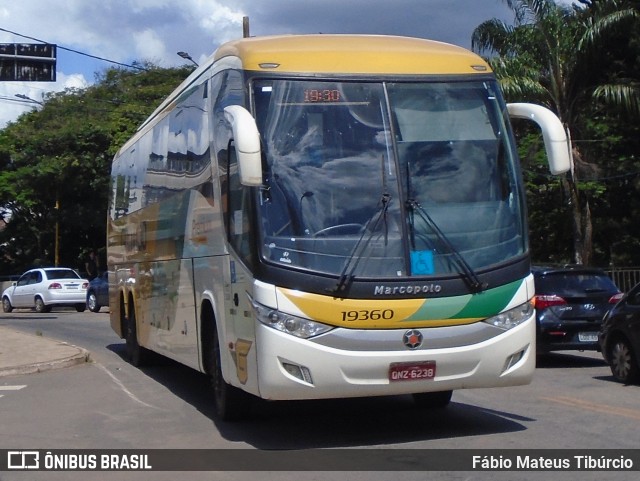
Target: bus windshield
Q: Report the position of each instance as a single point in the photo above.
(387, 179)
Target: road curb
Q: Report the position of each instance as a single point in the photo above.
(81, 356)
(50, 354)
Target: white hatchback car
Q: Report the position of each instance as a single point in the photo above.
(42, 289)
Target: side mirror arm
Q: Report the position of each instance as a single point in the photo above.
(554, 135)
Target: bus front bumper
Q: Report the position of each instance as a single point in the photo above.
(293, 368)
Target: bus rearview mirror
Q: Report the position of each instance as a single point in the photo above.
(247, 143)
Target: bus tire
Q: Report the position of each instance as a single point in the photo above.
(432, 400)
(231, 403)
(138, 355)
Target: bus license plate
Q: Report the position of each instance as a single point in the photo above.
(412, 371)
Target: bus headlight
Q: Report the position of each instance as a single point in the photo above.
(512, 318)
(294, 325)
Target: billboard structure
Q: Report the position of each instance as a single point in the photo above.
(25, 62)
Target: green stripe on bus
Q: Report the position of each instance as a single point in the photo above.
(482, 305)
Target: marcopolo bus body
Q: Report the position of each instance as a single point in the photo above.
(329, 216)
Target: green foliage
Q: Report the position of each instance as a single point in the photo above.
(582, 63)
(55, 165)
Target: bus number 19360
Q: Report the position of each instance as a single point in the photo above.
(367, 315)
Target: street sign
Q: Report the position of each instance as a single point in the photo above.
(27, 62)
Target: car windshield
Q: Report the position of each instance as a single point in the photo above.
(387, 179)
(61, 274)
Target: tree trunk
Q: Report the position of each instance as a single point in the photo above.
(582, 222)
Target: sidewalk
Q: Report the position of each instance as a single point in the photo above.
(22, 353)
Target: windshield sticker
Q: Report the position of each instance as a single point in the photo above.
(285, 258)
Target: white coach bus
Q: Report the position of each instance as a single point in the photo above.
(329, 216)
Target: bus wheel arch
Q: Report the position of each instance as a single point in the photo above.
(230, 402)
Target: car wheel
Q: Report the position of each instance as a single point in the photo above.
(81, 307)
(92, 302)
(433, 400)
(40, 306)
(6, 305)
(624, 366)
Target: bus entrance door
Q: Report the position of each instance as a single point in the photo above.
(241, 316)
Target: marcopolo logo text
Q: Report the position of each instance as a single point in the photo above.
(385, 290)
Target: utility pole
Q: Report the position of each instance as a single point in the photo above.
(245, 27)
(57, 239)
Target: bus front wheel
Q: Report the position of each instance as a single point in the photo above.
(231, 403)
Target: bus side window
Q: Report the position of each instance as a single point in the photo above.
(227, 89)
(238, 213)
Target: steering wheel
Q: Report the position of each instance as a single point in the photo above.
(352, 228)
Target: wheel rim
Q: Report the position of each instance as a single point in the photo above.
(6, 305)
(92, 301)
(620, 360)
(39, 305)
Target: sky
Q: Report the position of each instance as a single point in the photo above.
(128, 31)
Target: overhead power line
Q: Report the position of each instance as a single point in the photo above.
(18, 101)
(75, 51)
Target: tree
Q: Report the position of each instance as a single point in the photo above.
(561, 57)
(55, 177)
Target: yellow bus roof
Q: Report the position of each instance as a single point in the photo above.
(352, 54)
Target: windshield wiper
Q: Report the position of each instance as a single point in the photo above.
(347, 276)
(470, 277)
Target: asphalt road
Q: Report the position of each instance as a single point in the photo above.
(573, 403)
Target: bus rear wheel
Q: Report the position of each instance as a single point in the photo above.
(138, 355)
(231, 403)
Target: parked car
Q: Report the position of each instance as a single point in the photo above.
(619, 338)
(42, 289)
(98, 292)
(570, 304)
